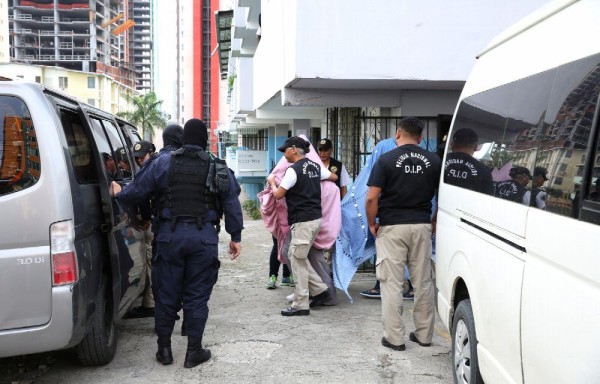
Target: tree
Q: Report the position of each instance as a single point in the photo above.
(146, 114)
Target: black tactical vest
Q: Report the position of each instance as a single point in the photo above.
(188, 196)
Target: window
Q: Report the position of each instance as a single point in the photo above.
(20, 163)
(91, 82)
(38, 79)
(80, 149)
(63, 82)
(543, 122)
(108, 141)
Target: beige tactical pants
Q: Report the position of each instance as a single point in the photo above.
(398, 246)
(306, 279)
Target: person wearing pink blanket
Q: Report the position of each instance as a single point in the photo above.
(301, 185)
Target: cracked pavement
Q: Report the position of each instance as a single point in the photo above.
(252, 343)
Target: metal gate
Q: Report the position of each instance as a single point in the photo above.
(355, 135)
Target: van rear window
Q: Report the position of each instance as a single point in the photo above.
(19, 153)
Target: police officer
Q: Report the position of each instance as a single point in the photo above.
(192, 189)
(462, 169)
(143, 151)
(172, 137)
(514, 189)
(325, 149)
(301, 186)
(402, 184)
(537, 196)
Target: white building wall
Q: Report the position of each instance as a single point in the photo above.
(378, 40)
(165, 55)
(269, 57)
(186, 61)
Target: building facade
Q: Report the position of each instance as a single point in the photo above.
(99, 36)
(198, 75)
(4, 41)
(96, 89)
(141, 47)
(348, 70)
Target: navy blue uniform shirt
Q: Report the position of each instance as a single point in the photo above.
(155, 179)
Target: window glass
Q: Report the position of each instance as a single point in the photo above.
(91, 82)
(106, 149)
(567, 130)
(20, 165)
(477, 143)
(80, 148)
(525, 137)
(538, 127)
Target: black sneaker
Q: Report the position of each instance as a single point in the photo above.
(414, 339)
(387, 344)
(371, 293)
(291, 311)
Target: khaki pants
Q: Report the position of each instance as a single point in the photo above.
(146, 250)
(399, 246)
(307, 280)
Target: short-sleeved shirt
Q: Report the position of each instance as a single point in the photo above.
(465, 171)
(511, 190)
(302, 181)
(408, 177)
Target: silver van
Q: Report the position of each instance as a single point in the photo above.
(71, 262)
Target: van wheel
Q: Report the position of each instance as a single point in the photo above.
(464, 345)
(98, 347)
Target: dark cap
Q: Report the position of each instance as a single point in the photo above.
(106, 156)
(324, 144)
(195, 132)
(295, 141)
(465, 136)
(540, 171)
(516, 171)
(142, 147)
(121, 155)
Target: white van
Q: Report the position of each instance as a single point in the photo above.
(519, 280)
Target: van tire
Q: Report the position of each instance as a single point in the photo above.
(98, 347)
(464, 346)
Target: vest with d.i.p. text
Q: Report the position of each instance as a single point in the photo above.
(304, 198)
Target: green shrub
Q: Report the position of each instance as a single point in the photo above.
(251, 207)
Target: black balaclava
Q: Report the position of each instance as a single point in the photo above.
(194, 132)
(173, 136)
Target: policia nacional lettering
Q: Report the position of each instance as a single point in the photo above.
(465, 171)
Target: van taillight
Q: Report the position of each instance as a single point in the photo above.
(62, 252)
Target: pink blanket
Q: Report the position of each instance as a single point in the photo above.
(274, 212)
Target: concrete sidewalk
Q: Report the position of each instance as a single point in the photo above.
(252, 343)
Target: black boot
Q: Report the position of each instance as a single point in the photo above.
(164, 354)
(183, 328)
(195, 353)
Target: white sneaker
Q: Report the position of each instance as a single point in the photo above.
(289, 298)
